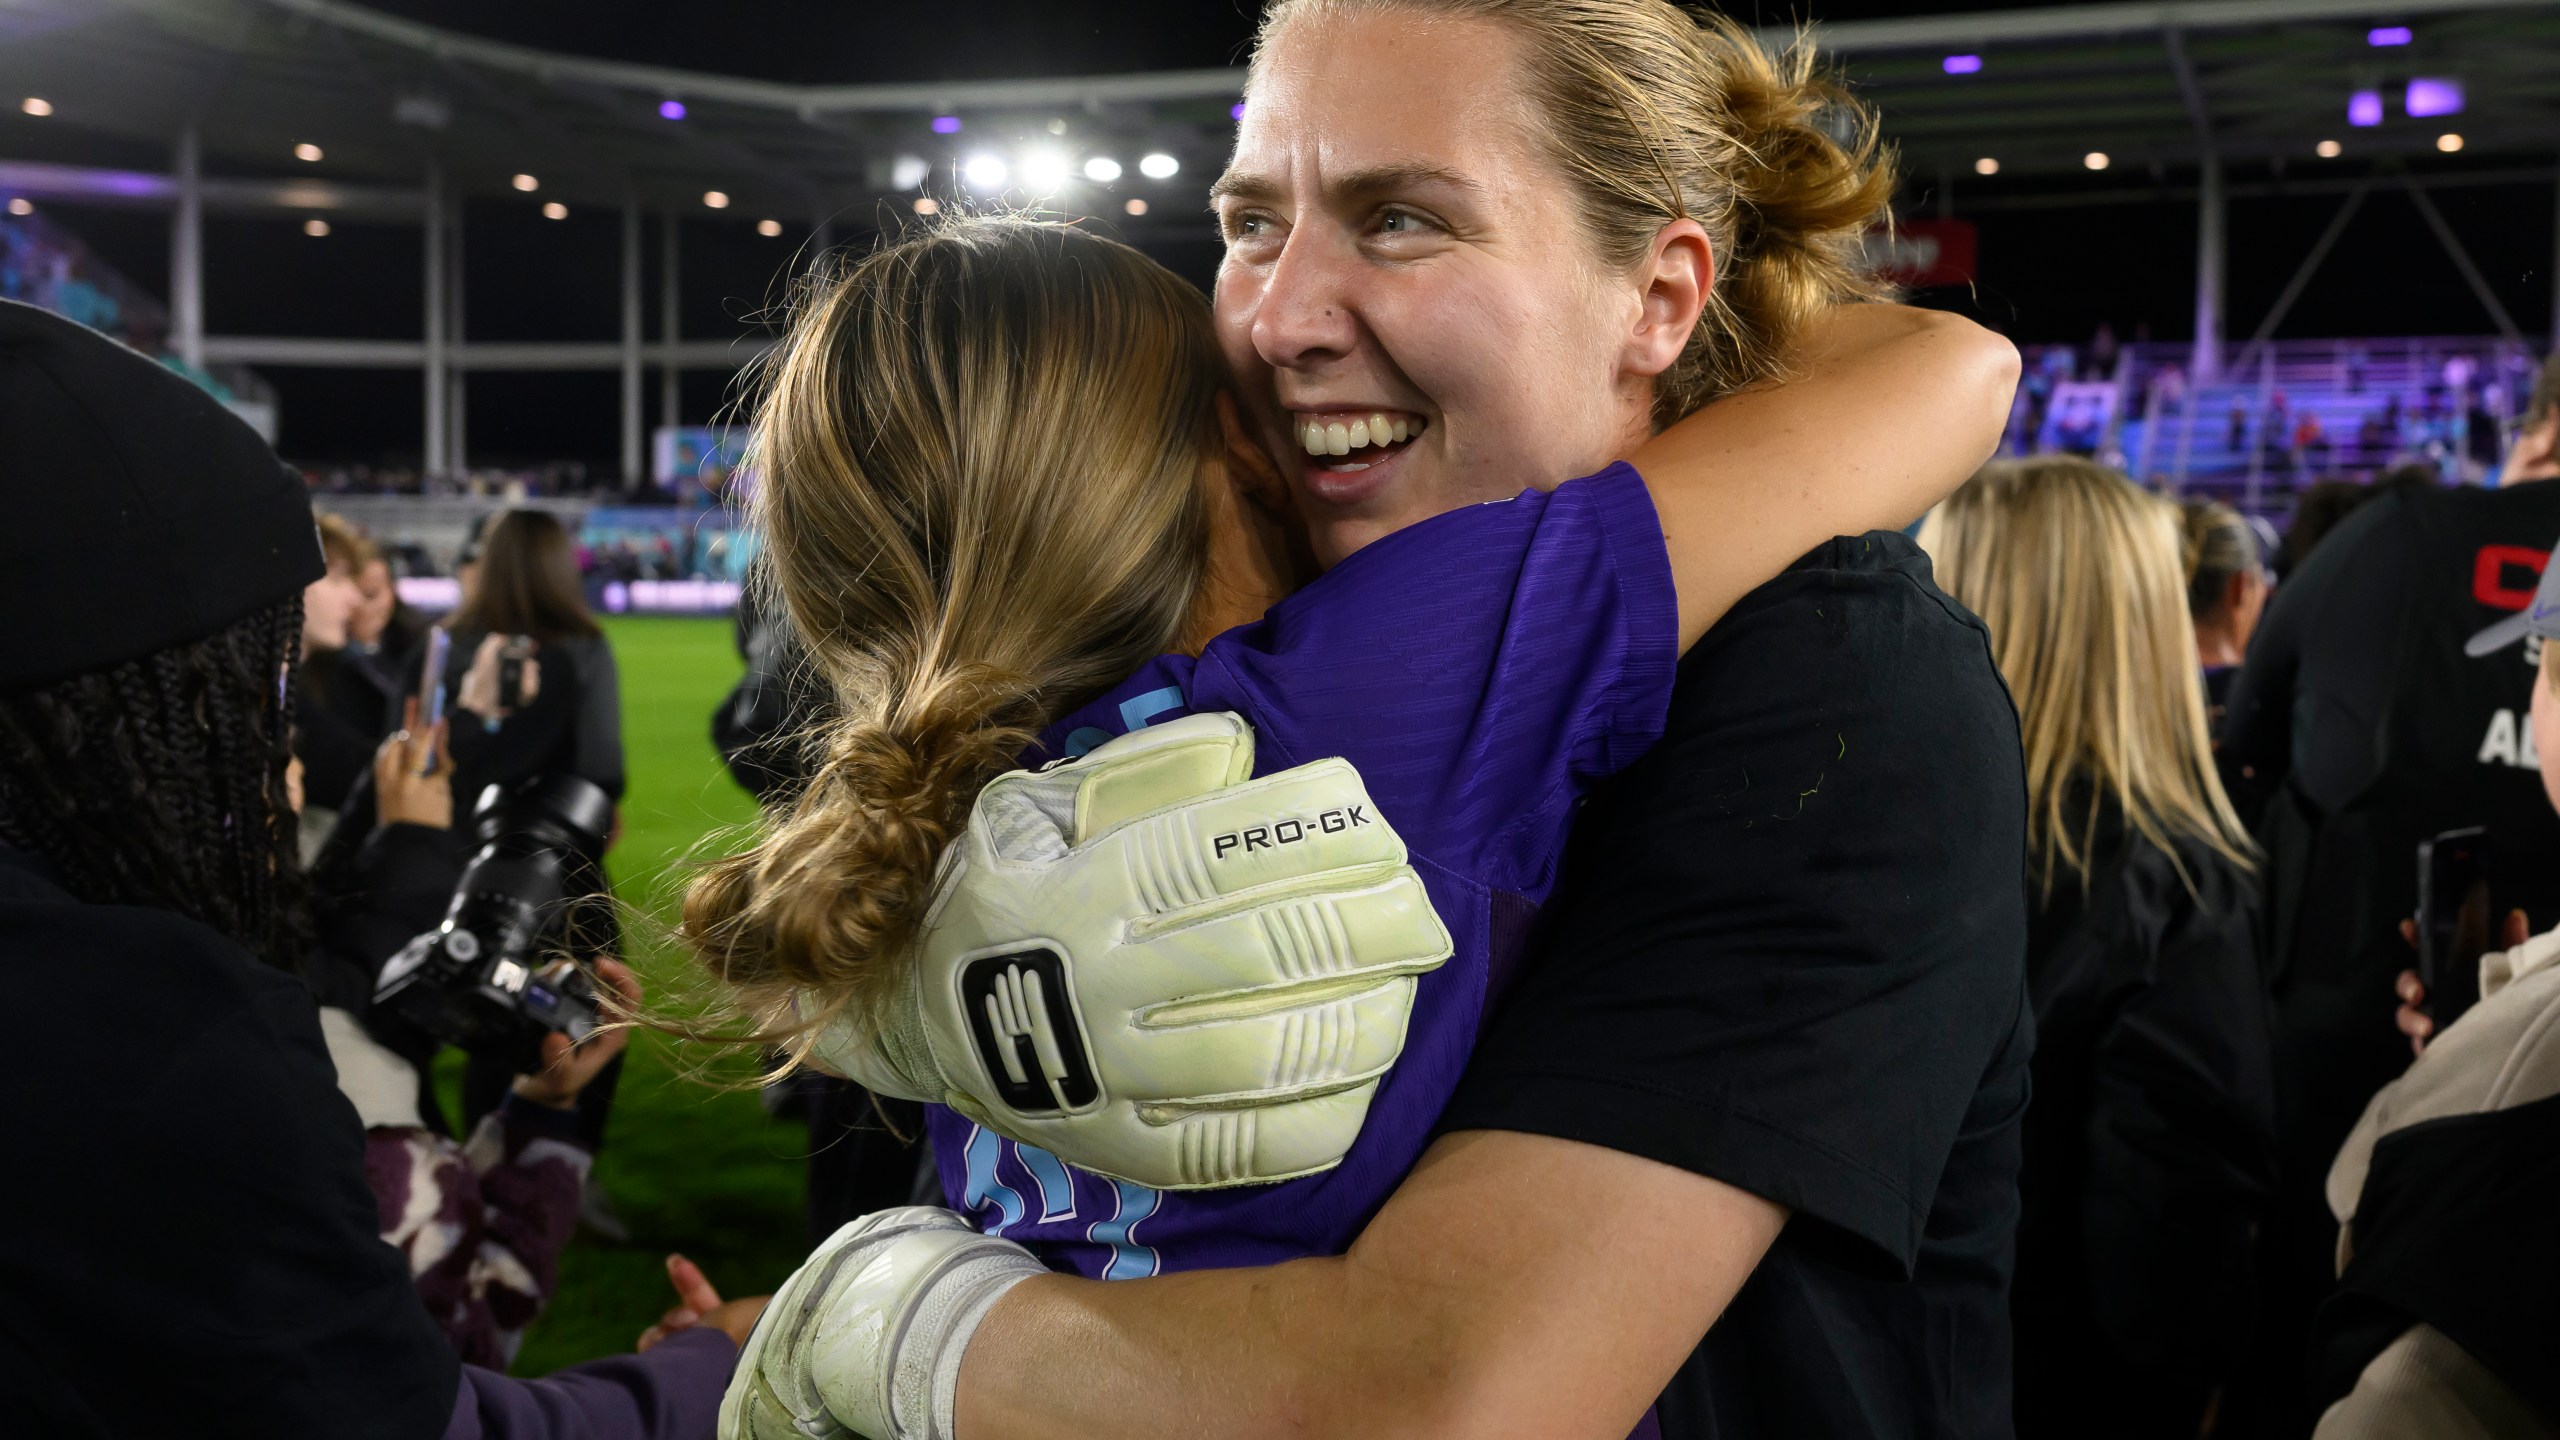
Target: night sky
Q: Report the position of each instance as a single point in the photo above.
(2046, 273)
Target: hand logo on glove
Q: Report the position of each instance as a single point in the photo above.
(1160, 969)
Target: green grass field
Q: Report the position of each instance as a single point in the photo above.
(691, 1166)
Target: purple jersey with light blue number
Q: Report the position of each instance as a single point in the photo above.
(1482, 670)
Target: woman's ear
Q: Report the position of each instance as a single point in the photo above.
(1249, 466)
(1678, 274)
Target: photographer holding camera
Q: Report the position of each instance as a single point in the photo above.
(536, 696)
(187, 1241)
(481, 1223)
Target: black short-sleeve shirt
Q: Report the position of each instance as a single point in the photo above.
(1789, 953)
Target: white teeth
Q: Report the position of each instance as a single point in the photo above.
(1337, 437)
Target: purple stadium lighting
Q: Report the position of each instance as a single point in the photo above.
(2429, 97)
(2364, 108)
(2384, 37)
(946, 124)
(670, 109)
(1962, 64)
(1236, 113)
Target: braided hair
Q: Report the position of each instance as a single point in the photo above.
(161, 782)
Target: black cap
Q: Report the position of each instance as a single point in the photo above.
(140, 513)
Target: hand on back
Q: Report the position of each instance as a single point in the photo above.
(1124, 947)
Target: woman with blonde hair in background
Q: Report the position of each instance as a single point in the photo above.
(2149, 1149)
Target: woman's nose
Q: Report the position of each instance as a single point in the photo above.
(1305, 315)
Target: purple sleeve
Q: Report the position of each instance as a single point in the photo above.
(671, 1393)
(1482, 668)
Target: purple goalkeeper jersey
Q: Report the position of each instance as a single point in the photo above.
(1482, 670)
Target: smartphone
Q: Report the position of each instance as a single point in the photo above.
(2453, 920)
(511, 660)
(431, 683)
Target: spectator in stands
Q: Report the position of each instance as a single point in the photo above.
(2149, 1148)
(2227, 586)
(527, 610)
(188, 1240)
(2357, 729)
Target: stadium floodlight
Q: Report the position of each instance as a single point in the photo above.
(985, 172)
(315, 227)
(2330, 149)
(554, 210)
(306, 152)
(2384, 37)
(2432, 96)
(36, 105)
(1986, 166)
(768, 228)
(1102, 169)
(2096, 160)
(1159, 166)
(716, 199)
(2364, 109)
(525, 182)
(21, 205)
(1136, 206)
(2448, 143)
(1044, 171)
(1057, 127)
(927, 205)
(1962, 64)
(670, 109)
(946, 124)
(909, 171)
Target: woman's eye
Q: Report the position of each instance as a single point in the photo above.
(1401, 222)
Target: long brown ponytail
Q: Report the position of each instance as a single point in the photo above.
(978, 461)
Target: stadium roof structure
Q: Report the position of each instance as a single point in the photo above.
(2038, 90)
(408, 115)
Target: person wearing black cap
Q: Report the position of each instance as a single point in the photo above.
(2358, 728)
(186, 1237)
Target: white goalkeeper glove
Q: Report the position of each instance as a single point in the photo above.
(865, 1338)
(1159, 969)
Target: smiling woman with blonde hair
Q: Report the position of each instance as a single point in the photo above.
(2149, 1151)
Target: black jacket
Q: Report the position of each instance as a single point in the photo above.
(188, 1222)
(187, 1240)
(2149, 1144)
(573, 725)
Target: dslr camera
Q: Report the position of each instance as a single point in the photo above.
(478, 980)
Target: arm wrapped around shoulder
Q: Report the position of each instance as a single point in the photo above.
(1120, 951)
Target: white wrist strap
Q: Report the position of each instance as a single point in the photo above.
(924, 1376)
